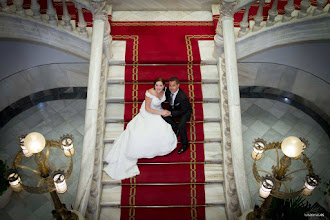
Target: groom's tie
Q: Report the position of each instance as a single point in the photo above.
(172, 101)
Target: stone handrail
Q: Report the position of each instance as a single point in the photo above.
(93, 205)
(52, 17)
(237, 200)
(88, 196)
(273, 17)
(87, 193)
(232, 202)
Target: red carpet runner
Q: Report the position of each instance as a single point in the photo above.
(178, 184)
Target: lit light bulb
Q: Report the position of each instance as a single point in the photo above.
(59, 182)
(34, 142)
(266, 187)
(292, 147)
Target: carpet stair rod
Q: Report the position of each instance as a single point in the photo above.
(176, 163)
(162, 184)
(162, 64)
(151, 83)
(122, 121)
(123, 102)
(109, 141)
(106, 204)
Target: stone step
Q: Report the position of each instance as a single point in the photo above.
(122, 121)
(118, 52)
(211, 131)
(212, 152)
(206, 48)
(111, 194)
(211, 213)
(209, 74)
(213, 174)
(116, 74)
(115, 112)
(213, 140)
(116, 92)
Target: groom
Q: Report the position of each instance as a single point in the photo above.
(179, 108)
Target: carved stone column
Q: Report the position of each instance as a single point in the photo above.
(19, 7)
(35, 7)
(4, 6)
(272, 14)
(304, 5)
(320, 5)
(107, 41)
(245, 22)
(289, 8)
(259, 17)
(66, 18)
(51, 12)
(240, 180)
(100, 12)
(82, 23)
(218, 40)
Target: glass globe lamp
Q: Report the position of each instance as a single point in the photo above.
(34, 142)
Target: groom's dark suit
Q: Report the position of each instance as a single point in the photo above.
(182, 110)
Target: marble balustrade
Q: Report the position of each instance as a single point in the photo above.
(31, 30)
(87, 190)
(51, 17)
(234, 110)
(291, 14)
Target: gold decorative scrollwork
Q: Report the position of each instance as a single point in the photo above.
(192, 128)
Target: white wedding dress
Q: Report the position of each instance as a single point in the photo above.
(147, 135)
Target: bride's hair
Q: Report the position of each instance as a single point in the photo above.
(161, 80)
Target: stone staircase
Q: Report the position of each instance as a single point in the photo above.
(114, 125)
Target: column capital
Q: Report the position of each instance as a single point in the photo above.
(227, 8)
(99, 10)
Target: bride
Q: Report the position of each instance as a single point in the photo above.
(147, 135)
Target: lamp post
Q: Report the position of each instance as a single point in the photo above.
(270, 185)
(51, 180)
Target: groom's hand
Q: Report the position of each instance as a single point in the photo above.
(166, 113)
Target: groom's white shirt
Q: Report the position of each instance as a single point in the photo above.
(173, 97)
